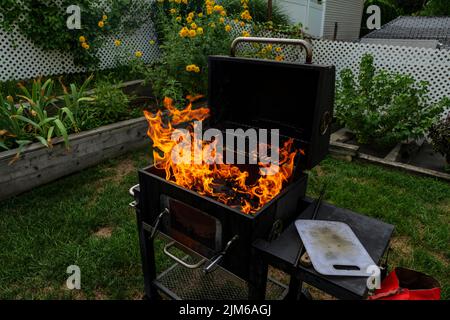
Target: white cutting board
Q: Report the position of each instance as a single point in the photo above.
(334, 248)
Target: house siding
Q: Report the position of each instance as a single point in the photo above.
(348, 15)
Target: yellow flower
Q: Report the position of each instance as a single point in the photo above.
(227, 28)
(192, 33)
(191, 14)
(138, 54)
(212, 25)
(278, 49)
(245, 15)
(178, 1)
(82, 39)
(101, 24)
(185, 1)
(178, 19)
(173, 11)
(10, 99)
(85, 45)
(194, 25)
(223, 13)
(242, 23)
(218, 8)
(184, 32)
(188, 19)
(263, 51)
(105, 17)
(222, 20)
(269, 47)
(117, 43)
(200, 30)
(200, 15)
(279, 58)
(192, 68)
(245, 34)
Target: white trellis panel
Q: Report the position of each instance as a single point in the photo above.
(424, 64)
(21, 59)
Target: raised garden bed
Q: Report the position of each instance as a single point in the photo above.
(38, 165)
(415, 158)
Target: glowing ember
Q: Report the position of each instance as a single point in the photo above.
(223, 182)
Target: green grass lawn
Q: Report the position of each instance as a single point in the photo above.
(85, 220)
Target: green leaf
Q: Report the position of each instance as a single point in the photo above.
(63, 132)
(42, 140)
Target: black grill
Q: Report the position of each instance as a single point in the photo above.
(243, 93)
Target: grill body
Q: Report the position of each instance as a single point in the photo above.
(243, 93)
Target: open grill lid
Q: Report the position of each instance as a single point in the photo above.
(296, 98)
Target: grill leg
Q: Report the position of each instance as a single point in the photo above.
(257, 283)
(148, 262)
(295, 287)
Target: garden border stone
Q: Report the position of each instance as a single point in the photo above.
(38, 165)
(349, 151)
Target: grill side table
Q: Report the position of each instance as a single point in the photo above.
(281, 253)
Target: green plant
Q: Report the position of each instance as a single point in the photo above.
(436, 8)
(44, 23)
(440, 137)
(12, 131)
(258, 10)
(189, 38)
(76, 100)
(109, 104)
(35, 118)
(384, 108)
(40, 123)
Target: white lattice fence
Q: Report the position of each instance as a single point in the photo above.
(429, 65)
(21, 59)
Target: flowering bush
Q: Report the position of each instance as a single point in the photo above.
(44, 23)
(189, 33)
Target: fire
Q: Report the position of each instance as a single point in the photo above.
(224, 182)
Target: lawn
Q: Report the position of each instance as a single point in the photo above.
(85, 220)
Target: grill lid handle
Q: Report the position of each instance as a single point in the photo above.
(298, 42)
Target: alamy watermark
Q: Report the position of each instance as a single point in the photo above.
(74, 280)
(190, 147)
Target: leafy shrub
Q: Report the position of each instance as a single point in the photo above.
(384, 108)
(189, 38)
(440, 137)
(109, 104)
(44, 23)
(258, 10)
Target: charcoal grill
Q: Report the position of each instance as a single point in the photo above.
(297, 99)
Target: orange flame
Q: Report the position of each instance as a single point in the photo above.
(223, 182)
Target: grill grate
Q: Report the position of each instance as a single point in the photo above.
(182, 283)
(193, 284)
